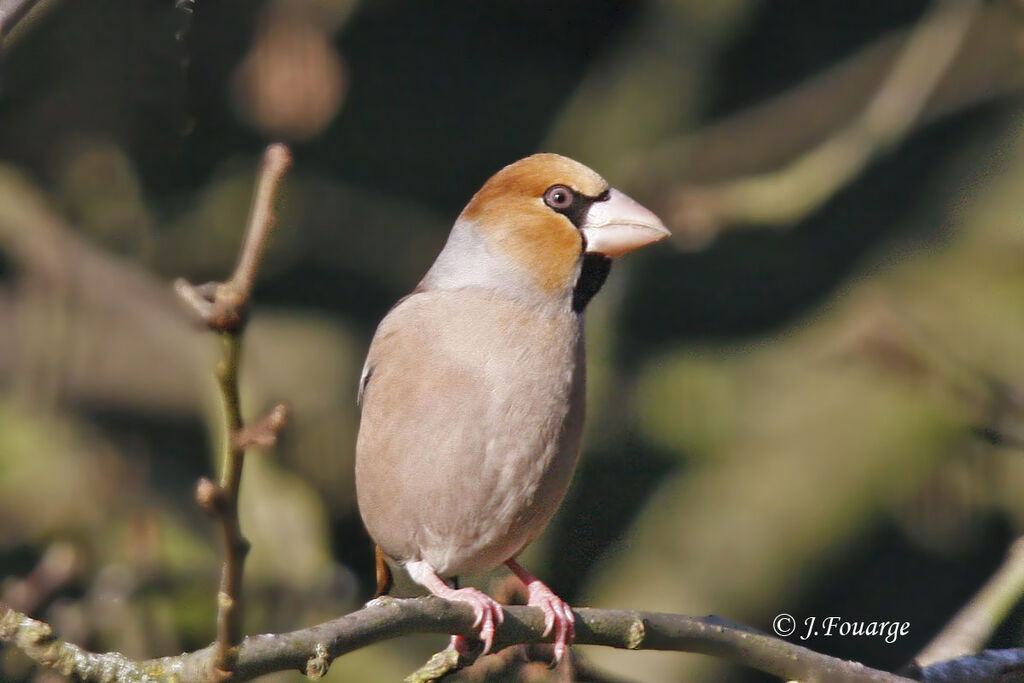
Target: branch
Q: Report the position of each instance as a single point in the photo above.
(236, 547)
(263, 433)
(886, 335)
(224, 308)
(276, 161)
(995, 666)
(58, 566)
(976, 621)
(312, 649)
(793, 191)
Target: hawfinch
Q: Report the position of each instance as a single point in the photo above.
(472, 395)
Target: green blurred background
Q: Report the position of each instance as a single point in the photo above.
(819, 417)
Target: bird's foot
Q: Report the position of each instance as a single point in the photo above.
(558, 616)
(486, 609)
(489, 614)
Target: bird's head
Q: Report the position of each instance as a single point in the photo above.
(536, 225)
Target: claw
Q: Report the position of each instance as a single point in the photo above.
(488, 612)
(549, 623)
(558, 614)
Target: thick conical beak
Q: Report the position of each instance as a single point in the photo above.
(619, 224)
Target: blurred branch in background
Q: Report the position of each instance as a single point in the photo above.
(59, 566)
(973, 625)
(647, 85)
(891, 339)
(52, 262)
(957, 55)
(792, 192)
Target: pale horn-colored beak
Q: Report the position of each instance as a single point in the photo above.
(619, 225)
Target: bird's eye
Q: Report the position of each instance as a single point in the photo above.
(559, 197)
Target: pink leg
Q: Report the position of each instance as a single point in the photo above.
(487, 610)
(557, 613)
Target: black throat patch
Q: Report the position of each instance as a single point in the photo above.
(592, 275)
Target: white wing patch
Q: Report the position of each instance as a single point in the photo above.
(364, 379)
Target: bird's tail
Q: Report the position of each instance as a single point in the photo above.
(384, 579)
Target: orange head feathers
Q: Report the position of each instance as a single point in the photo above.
(510, 209)
(526, 231)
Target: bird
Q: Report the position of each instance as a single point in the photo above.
(472, 394)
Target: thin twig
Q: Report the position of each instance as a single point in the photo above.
(784, 196)
(236, 547)
(224, 308)
(276, 161)
(263, 433)
(974, 624)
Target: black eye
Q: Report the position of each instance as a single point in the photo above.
(559, 197)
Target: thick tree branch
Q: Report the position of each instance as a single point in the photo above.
(311, 650)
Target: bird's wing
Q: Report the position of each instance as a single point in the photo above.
(425, 402)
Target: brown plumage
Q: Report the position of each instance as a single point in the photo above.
(473, 389)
